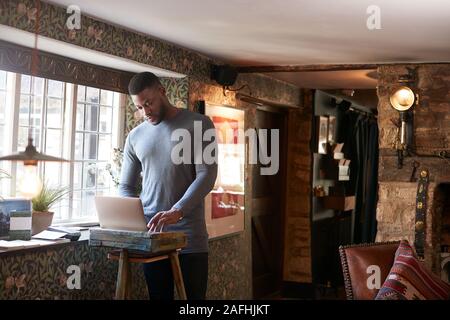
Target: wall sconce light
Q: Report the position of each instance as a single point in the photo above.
(402, 99)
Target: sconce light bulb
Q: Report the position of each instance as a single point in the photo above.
(402, 99)
(30, 185)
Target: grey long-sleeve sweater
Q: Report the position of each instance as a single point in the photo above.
(167, 185)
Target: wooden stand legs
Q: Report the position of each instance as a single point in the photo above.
(124, 281)
(177, 275)
(123, 285)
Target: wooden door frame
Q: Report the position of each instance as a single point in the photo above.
(284, 112)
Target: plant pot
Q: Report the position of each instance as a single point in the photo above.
(41, 221)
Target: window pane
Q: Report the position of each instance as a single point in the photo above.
(54, 113)
(79, 146)
(106, 97)
(2, 79)
(2, 106)
(23, 138)
(24, 110)
(80, 117)
(104, 147)
(36, 135)
(91, 118)
(36, 111)
(5, 183)
(103, 177)
(106, 119)
(92, 95)
(19, 175)
(76, 205)
(89, 174)
(63, 210)
(88, 204)
(81, 93)
(38, 86)
(90, 146)
(25, 84)
(2, 141)
(53, 142)
(52, 173)
(77, 174)
(55, 89)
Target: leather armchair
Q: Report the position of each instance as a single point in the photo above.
(355, 260)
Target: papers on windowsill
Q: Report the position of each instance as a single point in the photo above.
(50, 235)
(21, 244)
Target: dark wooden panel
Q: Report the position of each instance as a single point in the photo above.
(315, 67)
(15, 58)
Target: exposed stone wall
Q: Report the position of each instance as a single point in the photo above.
(396, 203)
(297, 251)
(396, 216)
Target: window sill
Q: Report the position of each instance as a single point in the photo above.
(22, 251)
(88, 223)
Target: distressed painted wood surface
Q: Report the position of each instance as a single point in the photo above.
(137, 240)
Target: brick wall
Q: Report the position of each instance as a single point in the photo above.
(297, 250)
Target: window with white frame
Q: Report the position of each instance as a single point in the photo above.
(2, 108)
(78, 123)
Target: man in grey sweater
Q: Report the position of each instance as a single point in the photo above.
(172, 192)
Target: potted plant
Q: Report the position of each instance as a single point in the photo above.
(42, 217)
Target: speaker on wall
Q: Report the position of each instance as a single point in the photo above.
(224, 75)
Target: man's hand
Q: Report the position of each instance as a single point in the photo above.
(163, 218)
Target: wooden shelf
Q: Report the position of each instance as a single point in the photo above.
(342, 203)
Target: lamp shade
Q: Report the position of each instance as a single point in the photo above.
(31, 156)
(402, 98)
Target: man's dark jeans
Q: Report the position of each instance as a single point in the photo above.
(159, 278)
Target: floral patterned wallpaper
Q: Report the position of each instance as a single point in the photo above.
(43, 274)
(37, 275)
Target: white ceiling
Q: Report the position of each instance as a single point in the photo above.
(275, 32)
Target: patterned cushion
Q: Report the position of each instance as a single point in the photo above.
(409, 280)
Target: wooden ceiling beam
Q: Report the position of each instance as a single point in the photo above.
(321, 67)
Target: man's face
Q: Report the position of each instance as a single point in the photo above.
(151, 103)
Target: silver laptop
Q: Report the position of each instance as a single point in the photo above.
(120, 213)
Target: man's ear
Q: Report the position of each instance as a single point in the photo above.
(162, 90)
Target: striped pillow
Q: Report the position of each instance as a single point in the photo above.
(409, 280)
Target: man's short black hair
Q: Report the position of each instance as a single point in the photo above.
(141, 81)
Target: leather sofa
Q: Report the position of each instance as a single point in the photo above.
(355, 260)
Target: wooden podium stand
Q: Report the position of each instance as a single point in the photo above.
(140, 247)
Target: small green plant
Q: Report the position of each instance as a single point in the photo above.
(48, 197)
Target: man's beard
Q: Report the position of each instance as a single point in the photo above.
(156, 119)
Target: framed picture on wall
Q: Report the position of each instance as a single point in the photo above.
(224, 205)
